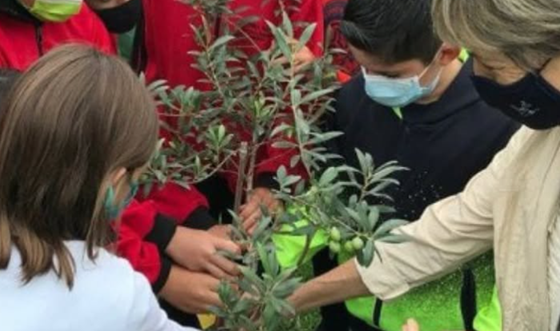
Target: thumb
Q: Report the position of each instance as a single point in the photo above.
(411, 325)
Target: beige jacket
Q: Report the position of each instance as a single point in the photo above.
(509, 206)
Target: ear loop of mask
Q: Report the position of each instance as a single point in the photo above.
(112, 210)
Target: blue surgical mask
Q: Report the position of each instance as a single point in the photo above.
(112, 209)
(397, 92)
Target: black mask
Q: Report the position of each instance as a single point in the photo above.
(123, 18)
(532, 101)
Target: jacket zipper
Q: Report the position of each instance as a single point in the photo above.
(39, 39)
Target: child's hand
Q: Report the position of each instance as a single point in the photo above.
(301, 58)
(191, 292)
(251, 211)
(199, 251)
(411, 325)
(221, 231)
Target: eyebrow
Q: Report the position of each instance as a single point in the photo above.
(387, 73)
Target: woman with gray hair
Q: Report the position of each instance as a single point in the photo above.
(512, 206)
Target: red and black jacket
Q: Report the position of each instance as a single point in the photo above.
(24, 38)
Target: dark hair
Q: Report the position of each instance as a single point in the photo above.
(392, 30)
(7, 80)
(73, 119)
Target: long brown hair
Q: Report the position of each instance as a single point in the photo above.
(72, 119)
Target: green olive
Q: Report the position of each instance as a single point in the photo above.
(349, 247)
(334, 247)
(335, 234)
(358, 243)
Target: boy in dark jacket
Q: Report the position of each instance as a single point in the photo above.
(412, 102)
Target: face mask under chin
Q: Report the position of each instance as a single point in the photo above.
(57, 11)
(123, 18)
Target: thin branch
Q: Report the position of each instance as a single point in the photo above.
(240, 176)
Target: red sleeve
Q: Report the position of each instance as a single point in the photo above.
(143, 236)
(186, 206)
(311, 11)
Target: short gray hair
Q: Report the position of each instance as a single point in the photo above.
(527, 31)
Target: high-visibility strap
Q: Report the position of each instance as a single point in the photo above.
(464, 56)
(398, 112)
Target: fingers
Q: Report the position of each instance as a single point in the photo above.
(252, 229)
(260, 198)
(252, 221)
(411, 325)
(226, 245)
(217, 272)
(249, 208)
(225, 265)
(211, 299)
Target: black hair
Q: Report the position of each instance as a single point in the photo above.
(7, 80)
(392, 30)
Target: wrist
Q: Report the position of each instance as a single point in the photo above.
(164, 274)
(175, 247)
(169, 286)
(162, 232)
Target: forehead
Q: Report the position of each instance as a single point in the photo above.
(374, 64)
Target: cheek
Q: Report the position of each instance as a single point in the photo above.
(481, 71)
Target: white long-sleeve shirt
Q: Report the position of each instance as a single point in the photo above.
(554, 274)
(108, 295)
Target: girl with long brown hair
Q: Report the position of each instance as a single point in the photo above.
(75, 135)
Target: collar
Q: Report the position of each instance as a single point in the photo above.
(14, 9)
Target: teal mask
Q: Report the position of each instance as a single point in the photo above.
(114, 210)
(397, 92)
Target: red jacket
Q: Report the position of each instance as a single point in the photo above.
(23, 39)
(168, 35)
